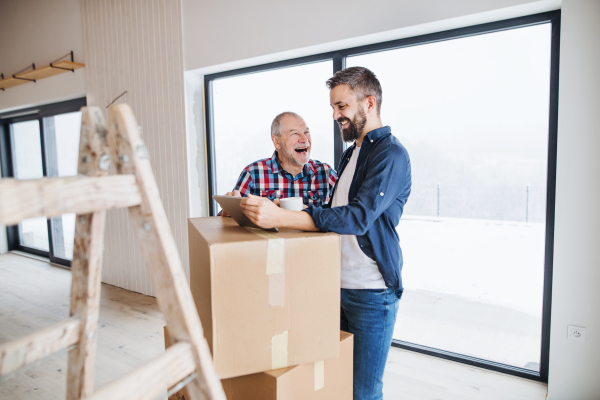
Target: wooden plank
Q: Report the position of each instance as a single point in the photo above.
(40, 73)
(23, 351)
(151, 380)
(11, 82)
(160, 251)
(46, 71)
(52, 197)
(86, 267)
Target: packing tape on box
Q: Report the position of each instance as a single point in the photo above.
(275, 266)
(319, 375)
(279, 350)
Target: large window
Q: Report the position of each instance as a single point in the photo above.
(34, 143)
(248, 103)
(473, 113)
(476, 109)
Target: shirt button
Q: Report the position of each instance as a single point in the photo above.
(381, 194)
(371, 140)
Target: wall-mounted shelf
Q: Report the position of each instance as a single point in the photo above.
(33, 74)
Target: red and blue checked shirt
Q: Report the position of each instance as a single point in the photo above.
(266, 178)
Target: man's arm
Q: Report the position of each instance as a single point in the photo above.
(385, 181)
(266, 214)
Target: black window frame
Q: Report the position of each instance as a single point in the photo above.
(7, 163)
(339, 57)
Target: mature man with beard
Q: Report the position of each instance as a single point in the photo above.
(289, 172)
(373, 186)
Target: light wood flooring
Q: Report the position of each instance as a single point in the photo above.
(35, 294)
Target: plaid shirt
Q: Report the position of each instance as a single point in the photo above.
(266, 178)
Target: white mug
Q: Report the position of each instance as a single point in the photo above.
(291, 203)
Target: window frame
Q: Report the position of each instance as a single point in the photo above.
(7, 162)
(339, 58)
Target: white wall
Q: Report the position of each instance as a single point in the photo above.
(35, 31)
(574, 366)
(136, 46)
(216, 32)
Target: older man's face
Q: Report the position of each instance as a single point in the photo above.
(294, 144)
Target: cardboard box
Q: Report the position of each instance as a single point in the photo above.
(267, 300)
(330, 381)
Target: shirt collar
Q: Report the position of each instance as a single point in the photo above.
(379, 133)
(276, 167)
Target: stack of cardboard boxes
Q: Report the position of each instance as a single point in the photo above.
(269, 303)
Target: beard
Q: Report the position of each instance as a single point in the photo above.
(354, 127)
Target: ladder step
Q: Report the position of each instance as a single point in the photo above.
(154, 378)
(26, 350)
(52, 197)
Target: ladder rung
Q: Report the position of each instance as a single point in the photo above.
(153, 379)
(52, 197)
(26, 350)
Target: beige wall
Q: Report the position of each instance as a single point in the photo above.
(217, 32)
(39, 32)
(133, 45)
(574, 366)
(136, 46)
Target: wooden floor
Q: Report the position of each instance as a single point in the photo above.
(34, 294)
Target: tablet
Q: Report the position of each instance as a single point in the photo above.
(231, 204)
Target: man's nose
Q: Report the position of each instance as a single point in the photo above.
(336, 115)
(303, 137)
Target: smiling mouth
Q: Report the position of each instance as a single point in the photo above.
(301, 149)
(344, 123)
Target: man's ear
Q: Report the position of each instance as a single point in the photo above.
(371, 104)
(275, 140)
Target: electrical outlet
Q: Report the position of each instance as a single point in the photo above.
(576, 333)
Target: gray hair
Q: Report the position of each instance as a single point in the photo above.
(362, 82)
(276, 124)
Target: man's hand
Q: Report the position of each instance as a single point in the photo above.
(267, 215)
(262, 211)
(235, 193)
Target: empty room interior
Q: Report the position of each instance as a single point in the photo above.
(238, 200)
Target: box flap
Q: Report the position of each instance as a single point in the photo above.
(217, 230)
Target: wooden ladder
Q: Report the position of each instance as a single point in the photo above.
(89, 195)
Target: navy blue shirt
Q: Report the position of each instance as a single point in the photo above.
(378, 192)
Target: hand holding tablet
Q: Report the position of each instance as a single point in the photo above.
(231, 204)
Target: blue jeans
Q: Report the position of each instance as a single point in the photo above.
(370, 315)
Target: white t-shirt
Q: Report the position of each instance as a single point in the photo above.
(358, 270)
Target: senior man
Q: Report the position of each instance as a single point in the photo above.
(373, 187)
(289, 172)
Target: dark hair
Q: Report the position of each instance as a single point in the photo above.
(362, 82)
(276, 124)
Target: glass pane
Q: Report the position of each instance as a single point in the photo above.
(28, 165)
(244, 107)
(27, 150)
(473, 115)
(62, 152)
(33, 232)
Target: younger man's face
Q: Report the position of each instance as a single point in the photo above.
(348, 112)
